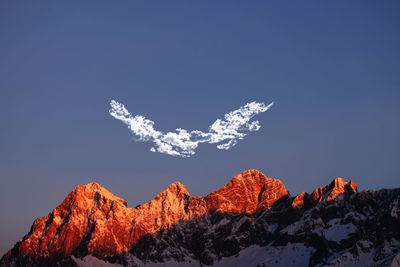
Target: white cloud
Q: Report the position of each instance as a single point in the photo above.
(184, 143)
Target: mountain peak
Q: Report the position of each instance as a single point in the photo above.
(178, 188)
(93, 185)
(174, 225)
(352, 185)
(336, 188)
(247, 192)
(249, 176)
(61, 232)
(338, 182)
(327, 193)
(174, 190)
(94, 191)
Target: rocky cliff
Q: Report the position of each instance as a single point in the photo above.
(250, 210)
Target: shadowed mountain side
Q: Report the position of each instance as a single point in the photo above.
(348, 227)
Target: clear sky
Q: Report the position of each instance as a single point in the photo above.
(332, 68)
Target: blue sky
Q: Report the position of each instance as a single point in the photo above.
(332, 69)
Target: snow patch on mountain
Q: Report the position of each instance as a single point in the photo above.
(337, 231)
(293, 254)
(367, 254)
(91, 261)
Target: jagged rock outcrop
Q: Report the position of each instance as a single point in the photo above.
(300, 200)
(251, 209)
(325, 194)
(91, 220)
(336, 188)
(246, 193)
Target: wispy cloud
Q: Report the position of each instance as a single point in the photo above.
(183, 143)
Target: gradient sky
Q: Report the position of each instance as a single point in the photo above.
(332, 68)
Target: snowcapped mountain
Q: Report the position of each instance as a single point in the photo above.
(251, 221)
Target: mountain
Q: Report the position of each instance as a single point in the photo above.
(250, 221)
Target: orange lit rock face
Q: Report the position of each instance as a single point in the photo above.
(91, 220)
(325, 193)
(274, 191)
(89, 210)
(246, 193)
(100, 223)
(300, 200)
(165, 210)
(336, 188)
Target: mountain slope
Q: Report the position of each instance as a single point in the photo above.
(250, 215)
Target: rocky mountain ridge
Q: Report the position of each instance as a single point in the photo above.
(251, 209)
